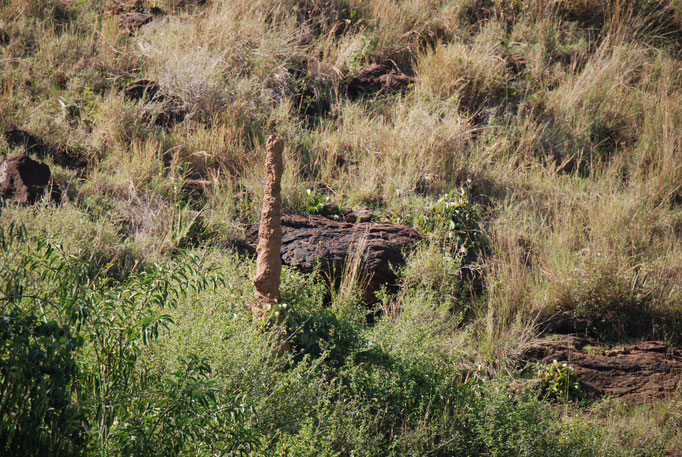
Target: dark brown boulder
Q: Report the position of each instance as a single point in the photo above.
(378, 78)
(358, 215)
(24, 180)
(311, 242)
(635, 374)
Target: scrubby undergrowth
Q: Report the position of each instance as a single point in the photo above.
(539, 148)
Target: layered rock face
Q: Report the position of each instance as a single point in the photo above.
(635, 374)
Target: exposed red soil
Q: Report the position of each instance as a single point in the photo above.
(376, 78)
(133, 21)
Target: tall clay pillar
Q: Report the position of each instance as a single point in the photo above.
(269, 263)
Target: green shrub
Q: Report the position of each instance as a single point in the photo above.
(40, 414)
(113, 319)
(313, 203)
(559, 382)
(454, 218)
(182, 411)
(316, 330)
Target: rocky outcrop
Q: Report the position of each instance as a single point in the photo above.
(268, 262)
(378, 78)
(635, 374)
(312, 242)
(24, 180)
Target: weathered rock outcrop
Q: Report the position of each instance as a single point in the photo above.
(378, 78)
(124, 6)
(24, 180)
(269, 263)
(311, 242)
(635, 374)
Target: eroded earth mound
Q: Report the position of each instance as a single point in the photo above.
(133, 20)
(31, 143)
(170, 110)
(24, 180)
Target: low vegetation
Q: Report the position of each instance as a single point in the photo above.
(538, 149)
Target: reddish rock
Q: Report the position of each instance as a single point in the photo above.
(359, 215)
(378, 78)
(23, 180)
(311, 242)
(635, 374)
(196, 187)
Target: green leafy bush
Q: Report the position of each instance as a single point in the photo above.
(455, 218)
(113, 321)
(313, 203)
(39, 414)
(183, 411)
(559, 382)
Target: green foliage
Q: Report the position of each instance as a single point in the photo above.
(435, 269)
(455, 218)
(114, 320)
(39, 414)
(564, 115)
(183, 411)
(313, 203)
(559, 382)
(316, 330)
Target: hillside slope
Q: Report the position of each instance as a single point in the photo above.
(536, 145)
